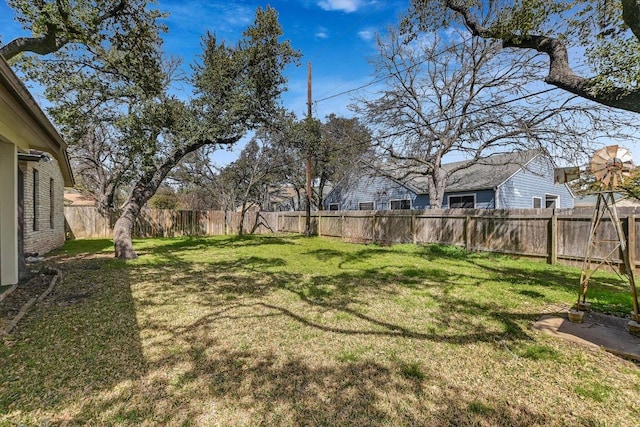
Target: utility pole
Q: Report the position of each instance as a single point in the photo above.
(307, 230)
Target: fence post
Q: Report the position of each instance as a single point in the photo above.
(375, 226)
(553, 239)
(342, 227)
(467, 233)
(413, 228)
(319, 223)
(631, 241)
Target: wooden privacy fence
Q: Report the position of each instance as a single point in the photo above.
(556, 235)
(86, 222)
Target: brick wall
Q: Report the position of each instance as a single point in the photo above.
(44, 225)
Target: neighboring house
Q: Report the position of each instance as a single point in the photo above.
(506, 181)
(285, 198)
(34, 168)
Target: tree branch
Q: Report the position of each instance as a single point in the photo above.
(56, 37)
(560, 73)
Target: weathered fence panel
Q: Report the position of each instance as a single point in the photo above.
(447, 230)
(84, 222)
(359, 228)
(330, 225)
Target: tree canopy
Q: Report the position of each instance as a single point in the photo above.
(120, 39)
(605, 33)
(102, 67)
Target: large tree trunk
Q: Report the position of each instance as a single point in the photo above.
(144, 189)
(438, 181)
(243, 213)
(122, 236)
(123, 228)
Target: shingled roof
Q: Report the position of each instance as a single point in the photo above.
(484, 174)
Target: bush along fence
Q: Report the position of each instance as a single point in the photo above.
(554, 235)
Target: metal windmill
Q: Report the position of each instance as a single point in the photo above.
(610, 166)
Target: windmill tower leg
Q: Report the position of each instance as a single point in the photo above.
(629, 269)
(585, 275)
(606, 205)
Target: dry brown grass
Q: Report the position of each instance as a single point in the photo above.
(289, 331)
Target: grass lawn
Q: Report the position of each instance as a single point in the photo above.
(283, 330)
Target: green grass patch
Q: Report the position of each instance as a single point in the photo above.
(539, 352)
(480, 408)
(413, 371)
(596, 392)
(284, 330)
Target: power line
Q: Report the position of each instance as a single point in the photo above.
(479, 110)
(381, 79)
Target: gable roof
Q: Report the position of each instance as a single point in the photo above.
(484, 174)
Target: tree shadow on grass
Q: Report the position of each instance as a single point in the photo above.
(81, 341)
(271, 391)
(83, 361)
(609, 292)
(230, 283)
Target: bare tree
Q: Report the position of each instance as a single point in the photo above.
(447, 95)
(343, 141)
(242, 185)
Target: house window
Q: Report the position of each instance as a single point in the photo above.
(400, 204)
(52, 216)
(334, 206)
(36, 198)
(365, 206)
(466, 201)
(551, 201)
(537, 202)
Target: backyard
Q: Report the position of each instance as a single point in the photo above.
(284, 330)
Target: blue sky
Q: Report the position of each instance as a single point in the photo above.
(336, 36)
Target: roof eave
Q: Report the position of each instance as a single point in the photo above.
(55, 144)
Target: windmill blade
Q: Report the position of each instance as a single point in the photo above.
(610, 165)
(612, 151)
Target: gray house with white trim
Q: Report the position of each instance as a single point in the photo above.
(518, 180)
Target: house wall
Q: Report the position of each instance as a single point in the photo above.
(44, 226)
(382, 190)
(485, 199)
(534, 180)
(377, 189)
(8, 214)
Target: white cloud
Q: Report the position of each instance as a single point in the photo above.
(343, 5)
(198, 16)
(321, 33)
(367, 35)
